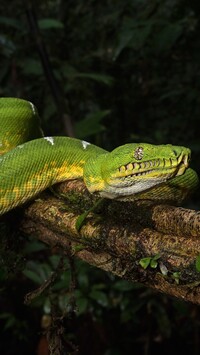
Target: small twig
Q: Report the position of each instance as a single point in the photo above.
(32, 295)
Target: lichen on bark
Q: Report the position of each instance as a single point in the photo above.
(120, 234)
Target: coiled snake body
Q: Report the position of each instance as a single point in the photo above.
(29, 164)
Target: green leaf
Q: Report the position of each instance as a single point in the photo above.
(70, 72)
(32, 66)
(144, 262)
(156, 257)
(83, 280)
(79, 247)
(123, 285)
(99, 297)
(150, 261)
(100, 78)
(7, 46)
(197, 263)
(32, 275)
(5, 315)
(176, 276)
(81, 220)
(34, 246)
(153, 263)
(91, 124)
(63, 282)
(133, 34)
(11, 22)
(167, 36)
(82, 305)
(49, 23)
(10, 322)
(54, 260)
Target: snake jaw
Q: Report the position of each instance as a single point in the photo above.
(129, 170)
(183, 164)
(154, 168)
(135, 177)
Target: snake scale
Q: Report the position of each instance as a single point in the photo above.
(30, 163)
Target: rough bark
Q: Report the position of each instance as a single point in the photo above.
(118, 237)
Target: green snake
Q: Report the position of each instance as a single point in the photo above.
(30, 163)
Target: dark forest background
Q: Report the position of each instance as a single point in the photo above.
(110, 72)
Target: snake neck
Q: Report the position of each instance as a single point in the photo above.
(92, 173)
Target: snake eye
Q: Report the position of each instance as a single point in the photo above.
(138, 154)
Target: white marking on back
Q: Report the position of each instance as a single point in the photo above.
(85, 144)
(32, 107)
(20, 146)
(50, 140)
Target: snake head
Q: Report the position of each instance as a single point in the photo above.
(133, 168)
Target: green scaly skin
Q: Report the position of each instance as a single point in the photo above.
(19, 123)
(132, 171)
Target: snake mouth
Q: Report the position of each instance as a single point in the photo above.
(135, 177)
(155, 168)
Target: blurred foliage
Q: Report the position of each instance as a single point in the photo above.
(128, 71)
(101, 314)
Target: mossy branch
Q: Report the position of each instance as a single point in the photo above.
(157, 245)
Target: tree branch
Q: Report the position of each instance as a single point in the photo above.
(156, 245)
